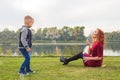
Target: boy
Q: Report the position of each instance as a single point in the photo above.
(25, 45)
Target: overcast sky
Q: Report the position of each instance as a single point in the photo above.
(104, 14)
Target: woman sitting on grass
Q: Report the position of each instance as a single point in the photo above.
(94, 57)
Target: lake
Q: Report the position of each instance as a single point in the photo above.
(50, 49)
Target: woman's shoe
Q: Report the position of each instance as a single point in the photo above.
(62, 59)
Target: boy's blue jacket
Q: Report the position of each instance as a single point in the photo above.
(25, 38)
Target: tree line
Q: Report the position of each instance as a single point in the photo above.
(52, 34)
(113, 36)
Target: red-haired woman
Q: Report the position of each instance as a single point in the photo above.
(94, 57)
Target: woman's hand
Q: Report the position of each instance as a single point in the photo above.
(88, 42)
(86, 59)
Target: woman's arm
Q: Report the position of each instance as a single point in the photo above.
(89, 49)
(88, 43)
(92, 58)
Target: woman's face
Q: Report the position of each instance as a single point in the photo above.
(95, 33)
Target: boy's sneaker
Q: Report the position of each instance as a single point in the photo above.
(30, 71)
(23, 72)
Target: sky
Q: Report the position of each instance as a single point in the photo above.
(104, 14)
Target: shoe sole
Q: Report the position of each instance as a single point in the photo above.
(23, 74)
(32, 72)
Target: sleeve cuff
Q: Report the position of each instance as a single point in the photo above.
(26, 46)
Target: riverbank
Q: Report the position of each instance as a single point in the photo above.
(62, 43)
(49, 68)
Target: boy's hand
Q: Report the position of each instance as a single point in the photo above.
(28, 49)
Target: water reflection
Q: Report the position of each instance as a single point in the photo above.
(114, 46)
(111, 49)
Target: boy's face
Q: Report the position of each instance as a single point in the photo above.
(29, 22)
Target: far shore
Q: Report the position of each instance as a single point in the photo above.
(48, 43)
(56, 44)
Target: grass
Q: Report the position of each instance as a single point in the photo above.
(49, 68)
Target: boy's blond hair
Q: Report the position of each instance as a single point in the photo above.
(28, 17)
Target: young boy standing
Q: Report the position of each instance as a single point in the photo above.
(25, 45)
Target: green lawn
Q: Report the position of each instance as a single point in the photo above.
(49, 68)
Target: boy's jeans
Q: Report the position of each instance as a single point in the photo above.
(26, 62)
